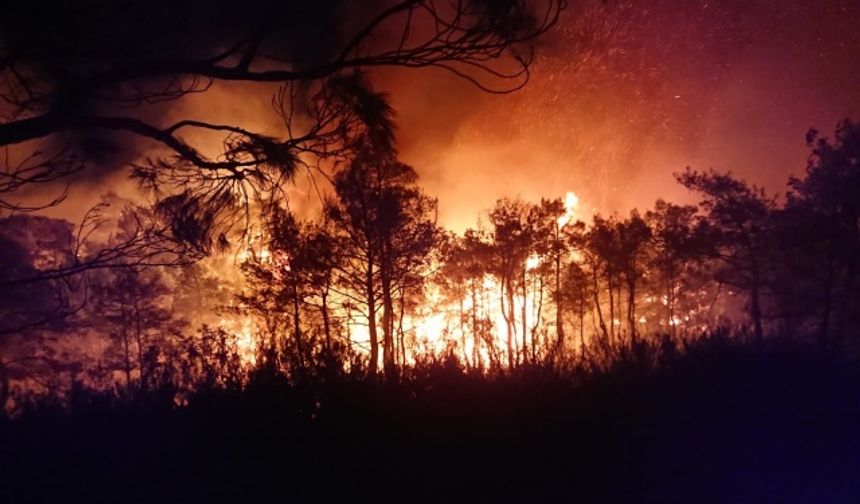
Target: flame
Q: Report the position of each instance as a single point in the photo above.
(242, 329)
(571, 202)
(437, 326)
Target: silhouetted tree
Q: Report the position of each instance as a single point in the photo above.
(823, 214)
(633, 239)
(552, 245)
(578, 289)
(134, 309)
(466, 263)
(385, 230)
(28, 245)
(512, 240)
(742, 218)
(602, 261)
(680, 242)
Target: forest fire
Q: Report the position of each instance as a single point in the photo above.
(441, 328)
(330, 251)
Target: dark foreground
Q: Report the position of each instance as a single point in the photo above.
(725, 422)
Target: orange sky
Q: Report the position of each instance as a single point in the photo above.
(623, 94)
(626, 93)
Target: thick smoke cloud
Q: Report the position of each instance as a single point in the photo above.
(622, 94)
(626, 93)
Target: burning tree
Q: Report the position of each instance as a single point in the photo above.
(385, 230)
(106, 85)
(680, 244)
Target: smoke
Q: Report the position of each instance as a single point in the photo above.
(622, 94)
(626, 93)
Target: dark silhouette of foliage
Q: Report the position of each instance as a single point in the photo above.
(742, 217)
(78, 75)
(716, 417)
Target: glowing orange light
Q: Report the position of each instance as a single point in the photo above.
(571, 201)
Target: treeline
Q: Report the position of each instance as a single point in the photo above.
(534, 285)
(374, 284)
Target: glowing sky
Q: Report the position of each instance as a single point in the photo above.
(623, 94)
(627, 92)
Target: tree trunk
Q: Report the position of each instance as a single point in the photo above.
(596, 292)
(611, 307)
(138, 337)
(370, 293)
(670, 299)
(559, 307)
(326, 322)
(755, 311)
(476, 337)
(297, 328)
(582, 348)
(400, 334)
(524, 314)
(387, 323)
(538, 314)
(462, 314)
(755, 301)
(507, 292)
(631, 306)
(126, 345)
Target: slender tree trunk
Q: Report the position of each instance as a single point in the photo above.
(596, 293)
(462, 314)
(507, 292)
(670, 299)
(537, 323)
(755, 311)
(370, 293)
(476, 337)
(387, 331)
(326, 321)
(138, 337)
(755, 301)
(297, 328)
(524, 314)
(582, 348)
(618, 303)
(127, 355)
(401, 337)
(611, 307)
(126, 345)
(559, 307)
(631, 306)
(387, 319)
